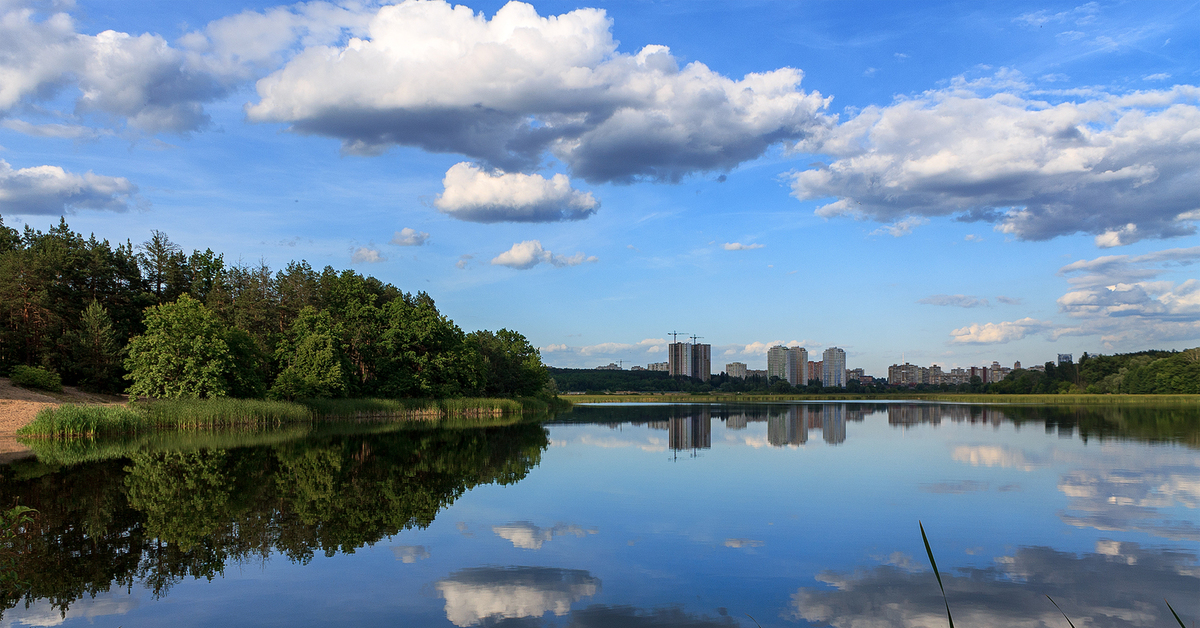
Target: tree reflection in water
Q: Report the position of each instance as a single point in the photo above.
(160, 517)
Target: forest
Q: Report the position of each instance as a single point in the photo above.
(153, 321)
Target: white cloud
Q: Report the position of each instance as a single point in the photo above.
(738, 246)
(52, 190)
(364, 255)
(475, 594)
(1010, 300)
(463, 261)
(474, 194)
(743, 543)
(1123, 167)
(971, 237)
(1161, 76)
(995, 333)
(553, 348)
(955, 300)
(527, 254)
(506, 91)
(409, 237)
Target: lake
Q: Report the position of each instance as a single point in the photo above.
(788, 514)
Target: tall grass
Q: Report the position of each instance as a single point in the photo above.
(221, 412)
(90, 421)
(412, 408)
(72, 421)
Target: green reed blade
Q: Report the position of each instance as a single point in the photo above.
(1060, 610)
(754, 620)
(1175, 614)
(929, 551)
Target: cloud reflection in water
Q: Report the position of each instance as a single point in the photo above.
(1120, 585)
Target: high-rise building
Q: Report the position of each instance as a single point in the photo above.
(702, 362)
(736, 369)
(797, 366)
(777, 361)
(679, 359)
(833, 368)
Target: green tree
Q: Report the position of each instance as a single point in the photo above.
(511, 366)
(184, 353)
(312, 363)
(96, 351)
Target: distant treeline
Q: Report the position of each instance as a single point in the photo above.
(1145, 372)
(161, 323)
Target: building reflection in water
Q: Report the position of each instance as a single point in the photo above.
(691, 432)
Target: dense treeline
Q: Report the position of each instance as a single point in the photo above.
(1145, 372)
(162, 323)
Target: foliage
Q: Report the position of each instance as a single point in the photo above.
(511, 366)
(96, 350)
(186, 353)
(314, 365)
(34, 377)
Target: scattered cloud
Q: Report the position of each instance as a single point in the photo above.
(553, 348)
(1161, 76)
(463, 261)
(901, 227)
(1010, 300)
(971, 237)
(1082, 14)
(409, 237)
(527, 254)
(954, 300)
(364, 255)
(998, 333)
(1118, 295)
(480, 593)
(58, 131)
(1121, 167)
(525, 535)
(478, 195)
(743, 543)
(508, 90)
(738, 246)
(52, 190)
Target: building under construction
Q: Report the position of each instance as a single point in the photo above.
(689, 359)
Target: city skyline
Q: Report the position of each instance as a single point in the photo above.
(934, 183)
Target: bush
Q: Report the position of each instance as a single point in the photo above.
(33, 377)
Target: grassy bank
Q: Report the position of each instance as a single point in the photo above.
(940, 397)
(89, 421)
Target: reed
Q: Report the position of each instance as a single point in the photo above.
(466, 407)
(220, 412)
(74, 421)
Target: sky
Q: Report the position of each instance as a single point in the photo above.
(938, 183)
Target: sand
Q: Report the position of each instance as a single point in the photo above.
(19, 405)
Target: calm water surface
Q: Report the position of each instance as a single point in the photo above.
(794, 514)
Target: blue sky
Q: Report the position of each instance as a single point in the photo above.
(948, 182)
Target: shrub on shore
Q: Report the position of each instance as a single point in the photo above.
(34, 377)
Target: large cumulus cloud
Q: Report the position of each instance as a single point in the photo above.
(480, 593)
(505, 91)
(142, 81)
(1121, 167)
